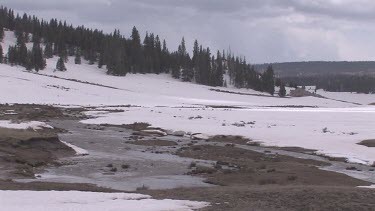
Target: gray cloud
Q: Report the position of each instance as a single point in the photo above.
(261, 30)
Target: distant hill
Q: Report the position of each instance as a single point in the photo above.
(293, 69)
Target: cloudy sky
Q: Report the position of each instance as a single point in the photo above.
(261, 30)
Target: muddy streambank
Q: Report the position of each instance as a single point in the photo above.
(226, 171)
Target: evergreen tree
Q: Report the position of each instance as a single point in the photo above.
(219, 79)
(60, 65)
(136, 49)
(282, 91)
(1, 55)
(37, 60)
(157, 55)
(12, 55)
(77, 58)
(22, 54)
(269, 80)
(29, 63)
(164, 59)
(196, 62)
(1, 32)
(48, 50)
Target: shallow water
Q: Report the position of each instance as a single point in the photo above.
(108, 146)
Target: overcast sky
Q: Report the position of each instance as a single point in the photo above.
(261, 30)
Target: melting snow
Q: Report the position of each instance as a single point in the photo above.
(34, 125)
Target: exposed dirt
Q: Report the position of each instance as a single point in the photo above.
(368, 143)
(230, 139)
(22, 150)
(250, 180)
(46, 186)
(153, 142)
(276, 198)
(253, 168)
(32, 112)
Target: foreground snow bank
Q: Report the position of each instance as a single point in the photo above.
(82, 201)
(34, 125)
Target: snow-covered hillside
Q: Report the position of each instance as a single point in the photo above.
(172, 104)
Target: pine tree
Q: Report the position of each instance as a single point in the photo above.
(60, 65)
(282, 91)
(165, 63)
(196, 62)
(136, 49)
(77, 58)
(22, 54)
(1, 32)
(101, 60)
(48, 50)
(1, 54)
(29, 61)
(268, 78)
(37, 60)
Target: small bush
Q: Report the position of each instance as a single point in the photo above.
(143, 188)
(192, 165)
(125, 166)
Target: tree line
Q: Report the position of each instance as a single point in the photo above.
(336, 83)
(121, 55)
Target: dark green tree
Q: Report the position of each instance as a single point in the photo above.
(137, 57)
(1, 32)
(37, 60)
(268, 78)
(60, 65)
(48, 50)
(77, 57)
(1, 55)
(282, 91)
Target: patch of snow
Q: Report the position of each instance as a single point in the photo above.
(369, 187)
(78, 150)
(34, 125)
(87, 201)
(157, 132)
(199, 136)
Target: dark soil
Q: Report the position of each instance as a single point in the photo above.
(47, 186)
(248, 181)
(253, 168)
(22, 150)
(156, 142)
(276, 198)
(230, 139)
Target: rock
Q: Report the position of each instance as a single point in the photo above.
(179, 133)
